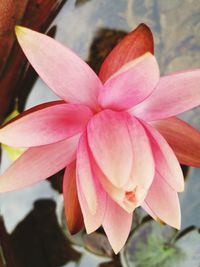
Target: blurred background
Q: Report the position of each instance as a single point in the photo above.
(33, 232)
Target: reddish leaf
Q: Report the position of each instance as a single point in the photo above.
(15, 82)
(135, 44)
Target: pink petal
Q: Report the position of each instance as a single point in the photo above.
(117, 224)
(88, 184)
(143, 160)
(166, 162)
(92, 221)
(71, 203)
(85, 174)
(174, 94)
(38, 163)
(110, 144)
(62, 70)
(164, 202)
(131, 84)
(46, 126)
(133, 45)
(117, 194)
(182, 138)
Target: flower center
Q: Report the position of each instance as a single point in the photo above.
(130, 196)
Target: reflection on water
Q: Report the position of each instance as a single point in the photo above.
(91, 28)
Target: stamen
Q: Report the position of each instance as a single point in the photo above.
(130, 196)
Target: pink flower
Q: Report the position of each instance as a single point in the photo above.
(111, 133)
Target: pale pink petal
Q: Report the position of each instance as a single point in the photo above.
(166, 162)
(110, 144)
(38, 163)
(92, 214)
(174, 94)
(62, 70)
(182, 138)
(85, 174)
(117, 224)
(133, 45)
(143, 163)
(131, 84)
(73, 212)
(116, 193)
(46, 126)
(164, 202)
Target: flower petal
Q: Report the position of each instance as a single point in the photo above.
(46, 126)
(174, 94)
(135, 44)
(116, 193)
(73, 212)
(92, 221)
(38, 163)
(85, 174)
(117, 224)
(143, 160)
(110, 144)
(164, 202)
(62, 70)
(131, 84)
(166, 163)
(182, 138)
(92, 196)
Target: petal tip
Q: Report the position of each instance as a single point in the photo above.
(19, 30)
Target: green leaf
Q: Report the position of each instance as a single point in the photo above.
(150, 246)
(156, 245)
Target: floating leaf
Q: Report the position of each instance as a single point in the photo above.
(149, 246)
(155, 245)
(98, 244)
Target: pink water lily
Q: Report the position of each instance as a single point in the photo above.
(116, 134)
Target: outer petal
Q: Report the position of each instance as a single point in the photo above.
(164, 202)
(135, 44)
(174, 94)
(85, 174)
(134, 82)
(92, 220)
(62, 70)
(143, 160)
(110, 144)
(71, 204)
(166, 162)
(38, 163)
(117, 224)
(45, 126)
(183, 139)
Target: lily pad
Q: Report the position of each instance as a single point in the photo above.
(155, 245)
(150, 246)
(98, 244)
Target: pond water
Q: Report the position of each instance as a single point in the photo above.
(33, 216)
